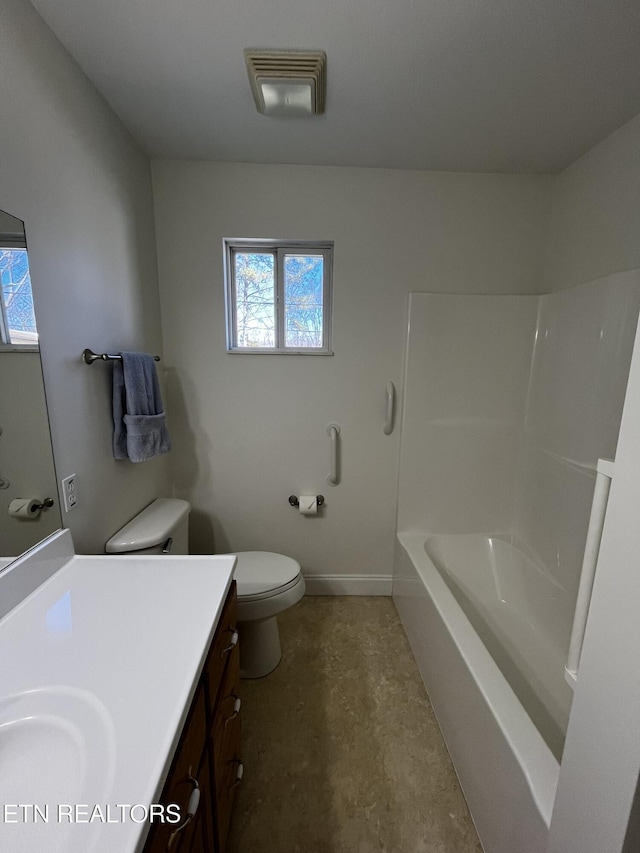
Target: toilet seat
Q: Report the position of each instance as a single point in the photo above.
(263, 574)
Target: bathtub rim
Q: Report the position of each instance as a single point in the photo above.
(538, 764)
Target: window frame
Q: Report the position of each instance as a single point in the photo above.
(279, 248)
(8, 242)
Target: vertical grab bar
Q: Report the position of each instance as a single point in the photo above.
(592, 547)
(391, 399)
(333, 430)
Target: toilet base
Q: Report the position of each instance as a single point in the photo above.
(260, 650)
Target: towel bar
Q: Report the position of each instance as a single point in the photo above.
(89, 356)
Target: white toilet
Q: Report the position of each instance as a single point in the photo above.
(267, 583)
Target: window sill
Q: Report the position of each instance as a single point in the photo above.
(19, 348)
(273, 351)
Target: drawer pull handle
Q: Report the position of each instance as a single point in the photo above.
(239, 773)
(192, 808)
(232, 642)
(236, 708)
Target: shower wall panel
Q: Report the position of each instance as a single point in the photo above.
(579, 375)
(466, 379)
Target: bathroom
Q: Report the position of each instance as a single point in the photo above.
(126, 252)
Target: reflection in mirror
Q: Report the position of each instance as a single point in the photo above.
(27, 474)
(17, 315)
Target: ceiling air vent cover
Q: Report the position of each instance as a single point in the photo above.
(288, 82)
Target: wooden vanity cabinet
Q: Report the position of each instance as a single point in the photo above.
(208, 754)
(222, 676)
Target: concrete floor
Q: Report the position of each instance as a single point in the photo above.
(341, 749)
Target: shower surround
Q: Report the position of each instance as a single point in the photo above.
(509, 402)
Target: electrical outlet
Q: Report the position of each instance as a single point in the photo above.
(69, 493)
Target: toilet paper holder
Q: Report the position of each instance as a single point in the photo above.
(47, 503)
(293, 500)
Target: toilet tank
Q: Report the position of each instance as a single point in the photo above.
(152, 529)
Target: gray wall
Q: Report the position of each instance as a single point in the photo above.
(594, 222)
(72, 173)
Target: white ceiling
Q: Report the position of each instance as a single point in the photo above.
(464, 85)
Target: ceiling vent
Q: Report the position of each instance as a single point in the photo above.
(288, 82)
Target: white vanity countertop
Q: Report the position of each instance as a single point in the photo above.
(98, 666)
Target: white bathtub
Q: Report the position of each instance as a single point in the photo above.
(476, 611)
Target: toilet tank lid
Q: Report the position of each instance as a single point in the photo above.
(150, 527)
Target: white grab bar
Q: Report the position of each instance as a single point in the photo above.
(391, 401)
(333, 431)
(604, 474)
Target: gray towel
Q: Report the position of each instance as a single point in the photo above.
(139, 430)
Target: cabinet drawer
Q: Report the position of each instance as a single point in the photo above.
(221, 648)
(203, 837)
(227, 781)
(228, 760)
(187, 769)
(227, 718)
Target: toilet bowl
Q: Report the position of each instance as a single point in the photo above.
(267, 583)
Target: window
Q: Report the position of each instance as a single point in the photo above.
(278, 297)
(17, 317)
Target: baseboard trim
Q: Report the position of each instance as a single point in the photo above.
(348, 584)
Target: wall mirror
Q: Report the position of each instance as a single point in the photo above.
(27, 472)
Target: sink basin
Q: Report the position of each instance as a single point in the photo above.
(42, 760)
(56, 749)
